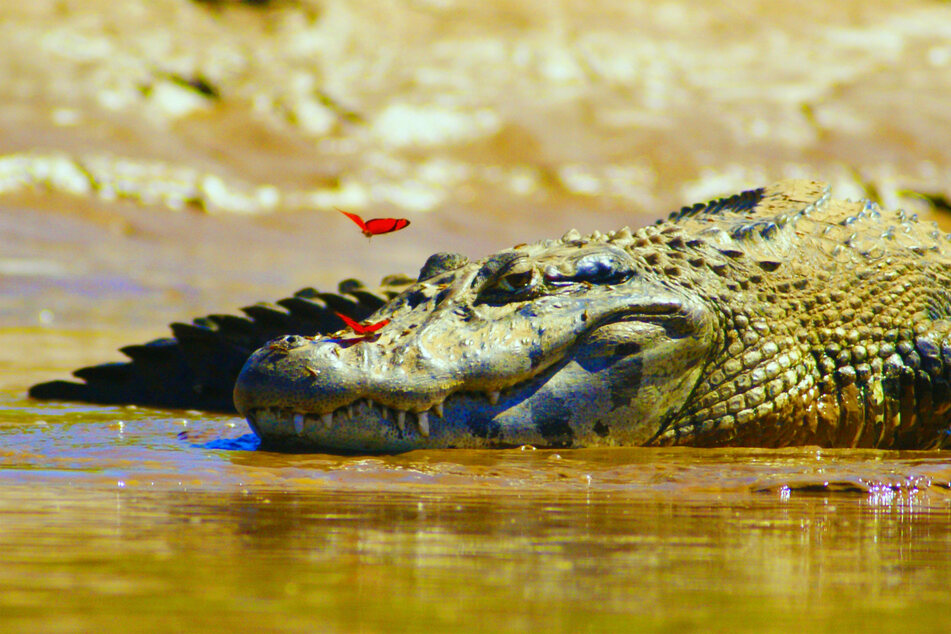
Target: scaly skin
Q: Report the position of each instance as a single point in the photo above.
(775, 317)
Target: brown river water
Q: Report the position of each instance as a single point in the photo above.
(164, 159)
(126, 519)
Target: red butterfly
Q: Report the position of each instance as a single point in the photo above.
(359, 328)
(376, 226)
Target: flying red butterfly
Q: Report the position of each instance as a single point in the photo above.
(376, 226)
(359, 328)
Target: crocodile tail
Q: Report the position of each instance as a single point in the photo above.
(198, 366)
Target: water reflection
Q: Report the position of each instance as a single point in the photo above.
(245, 442)
(499, 559)
(110, 513)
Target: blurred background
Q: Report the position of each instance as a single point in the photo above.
(162, 158)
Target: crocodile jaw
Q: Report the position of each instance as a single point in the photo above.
(596, 382)
(546, 411)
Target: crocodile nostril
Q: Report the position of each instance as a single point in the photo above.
(290, 341)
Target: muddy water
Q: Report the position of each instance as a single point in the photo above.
(135, 519)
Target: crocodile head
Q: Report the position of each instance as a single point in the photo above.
(575, 342)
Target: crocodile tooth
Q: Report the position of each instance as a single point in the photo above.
(350, 410)
(422, 420)
(494, 397)
(327, 419)
(437, 409)
(401, 419)
(299, 423)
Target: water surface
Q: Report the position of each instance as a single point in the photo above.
(136, 519)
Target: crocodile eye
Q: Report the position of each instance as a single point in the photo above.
(594, 268)
(516, 281)
(513, 280)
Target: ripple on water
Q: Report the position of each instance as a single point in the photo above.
(150, 505)
(98, 445)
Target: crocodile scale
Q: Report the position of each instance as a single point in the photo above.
(775, 317)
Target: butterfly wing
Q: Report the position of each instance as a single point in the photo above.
(376, 326)
(376, 226)
(356, 219)
(353, 325)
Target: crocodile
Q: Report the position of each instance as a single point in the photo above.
(774, 317)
